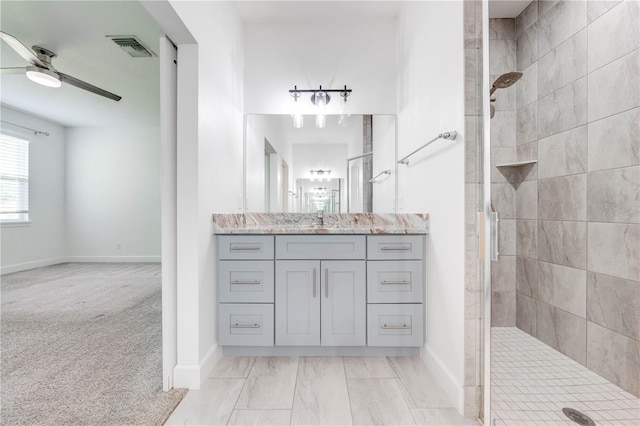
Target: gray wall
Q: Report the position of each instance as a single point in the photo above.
(578, 210)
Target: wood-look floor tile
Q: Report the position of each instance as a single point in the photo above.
(419, 386)
(270, 384)
(441, 416)
(211, 405)
(321, 396)
(260, 417)
(369, 367)
(233, 367)
(378, 402)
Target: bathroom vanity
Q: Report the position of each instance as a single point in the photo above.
(358, 281)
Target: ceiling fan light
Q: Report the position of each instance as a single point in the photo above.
(43, 76)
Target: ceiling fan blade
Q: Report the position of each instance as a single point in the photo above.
(86, 86)
(5, 71)
(21, 49)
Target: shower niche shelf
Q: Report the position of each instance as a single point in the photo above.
(517, 163)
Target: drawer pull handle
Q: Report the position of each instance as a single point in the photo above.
(236, 325)
(314, 283)
(391, 248)
(246, 282)
(245, 248)
(395, 282)
(326, 283)
(396, 327)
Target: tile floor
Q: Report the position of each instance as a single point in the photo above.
(531, 383)
(318, 391)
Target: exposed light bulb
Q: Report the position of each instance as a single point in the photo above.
(296, 110)
(345, 110)
(321, 99)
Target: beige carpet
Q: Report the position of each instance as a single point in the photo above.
(81, 344)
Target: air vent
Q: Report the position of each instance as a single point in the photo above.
(132, 46)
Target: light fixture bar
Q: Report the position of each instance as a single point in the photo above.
(345, 90)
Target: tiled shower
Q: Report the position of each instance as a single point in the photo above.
(569, 271)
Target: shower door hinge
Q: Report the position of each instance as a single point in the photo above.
(494, 236)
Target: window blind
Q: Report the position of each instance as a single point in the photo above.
(14, 178)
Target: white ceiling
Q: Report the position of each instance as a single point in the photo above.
(75, 31)
(316, 11)
(507, 8)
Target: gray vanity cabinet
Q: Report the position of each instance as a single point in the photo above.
(320, 302)
(321, 290)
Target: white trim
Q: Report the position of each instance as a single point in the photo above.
(453, 389)
(9, 269)
(192, 376)
(209, 362)
(114, 259)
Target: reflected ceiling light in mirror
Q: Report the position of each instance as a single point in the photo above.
(320, 98)
(320, 174)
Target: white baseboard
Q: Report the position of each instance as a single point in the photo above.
(31, 265)
(114, 259)
(453, 389)
(192, 376)
(209, 362)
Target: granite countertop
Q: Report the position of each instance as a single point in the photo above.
(334, 223)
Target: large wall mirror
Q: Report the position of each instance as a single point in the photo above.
(338, 168)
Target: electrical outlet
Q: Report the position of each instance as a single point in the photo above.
(118, 246)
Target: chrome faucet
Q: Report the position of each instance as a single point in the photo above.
(319, 217)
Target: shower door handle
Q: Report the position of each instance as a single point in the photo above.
(494, 237)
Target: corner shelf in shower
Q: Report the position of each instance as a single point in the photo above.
(517, 164)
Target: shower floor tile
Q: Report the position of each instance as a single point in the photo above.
(531, 383)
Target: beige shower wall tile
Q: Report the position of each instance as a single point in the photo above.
(615, 87)
(563, 153)
(615, 141)
(614, 195)
(614, 249)
(606, 45)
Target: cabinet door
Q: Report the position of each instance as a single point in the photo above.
(343, 303)
(297, 303)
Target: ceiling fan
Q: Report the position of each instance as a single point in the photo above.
(42, 71)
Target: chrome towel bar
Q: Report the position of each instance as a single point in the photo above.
(446, 135)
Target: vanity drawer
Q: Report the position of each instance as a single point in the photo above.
(395, 325)
(245, 246)
(395, 247)
(395, 281)
(320, 247)
(245, 281)
(246, 324)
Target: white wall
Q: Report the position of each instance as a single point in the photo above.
(430, 101)
(113, 194)
(384, 158)
(42, 242)
(209, 176)
(360, 55)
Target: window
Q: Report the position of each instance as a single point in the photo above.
(14, 179)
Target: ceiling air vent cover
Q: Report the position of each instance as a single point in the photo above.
(132, 46)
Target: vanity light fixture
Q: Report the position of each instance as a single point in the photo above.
(320, 98)
(320, 174)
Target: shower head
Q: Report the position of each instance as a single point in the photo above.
(505, 80)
